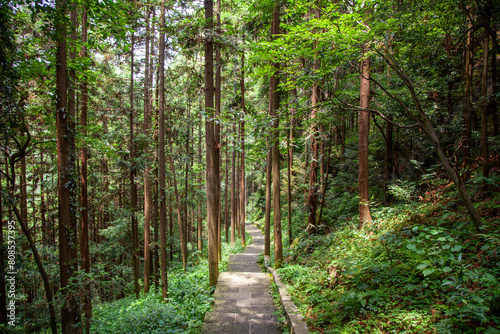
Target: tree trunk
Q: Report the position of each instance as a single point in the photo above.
(289, 176)
(66, 182)
(388, 157)
(364, 131)
(233, 189)
(132, 173)
(484, 99)
(494, 105)
(84, 219)
(218, 91)
(275, 155)
(148, 195)
(242, 142)
(226, 190)
(468, 107)
(187, 230)
(312, 197)
(199, 229)
(161, 153)
(212, 158)
(182, 232)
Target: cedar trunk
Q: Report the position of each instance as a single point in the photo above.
(275, 155)
(66, 181)
(212, 158)
(364, 130)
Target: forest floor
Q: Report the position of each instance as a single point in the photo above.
(243, 302)
(420, 267)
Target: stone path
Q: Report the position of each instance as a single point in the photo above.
(243, 302)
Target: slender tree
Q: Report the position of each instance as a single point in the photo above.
(484, 92)
(275, 154)
(148, 194)
(289, 165)
(84, 203)
(233, 191)
(312, 197)
(212, 159)
(66, 175)
(217, 92)
(161, 154)
(468, 106)
(132, 174)
(242, 143)
(364, 130)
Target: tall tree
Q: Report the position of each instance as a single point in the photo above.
(267, 214)
(275, 154)
(289, 164)
(468, 106)
(218, 91)
(132, 174)
(148, 194)
(484, 91)
(212, 159)
(66, 175)
(233, 191)
(84, 203)
(364, 131)
(161, 155)
(312, 198)
(242, 143)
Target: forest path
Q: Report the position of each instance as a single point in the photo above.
(243, 302)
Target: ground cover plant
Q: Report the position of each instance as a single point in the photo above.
(418, 268)
(190, 296)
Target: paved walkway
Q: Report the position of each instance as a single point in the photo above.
(243, 302)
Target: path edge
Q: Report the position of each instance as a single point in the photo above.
(295, 320)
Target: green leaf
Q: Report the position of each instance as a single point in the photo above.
(447, 269)
(363, 302)
(411, 247)
(428, 272)
(422, 266)
(456, 248)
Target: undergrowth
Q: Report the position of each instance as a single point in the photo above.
(420, 267)
(189, 297)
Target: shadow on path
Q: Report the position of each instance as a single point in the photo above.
(243, 302)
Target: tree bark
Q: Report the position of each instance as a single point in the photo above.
(312, 197)
(161, 154)
(468, 107)
(275, 155)
(494, 104)
(389, 169)
(182, 231)
(364, 130)
(132, 174)
(84, 219)
(242, 143)
(212, 159)
(199, 229)
(218, 91)
(66, 180)
(148, 195)
(289, 176)
(233, 190)
(484, 98)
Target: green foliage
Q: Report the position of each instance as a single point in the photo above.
(417, 268)
(189, 297)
